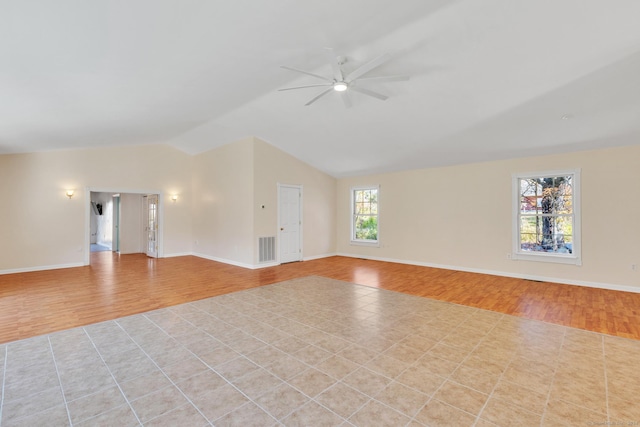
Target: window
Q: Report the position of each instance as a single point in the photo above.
(547, 217)
(364, 210)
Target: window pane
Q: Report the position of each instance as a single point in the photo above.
(529, 231)
(552, 195)
(529, 204)
(540, 233)
(366, 227)
(528, 187)
(566, 205)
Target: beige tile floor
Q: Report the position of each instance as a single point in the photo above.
(319, 352)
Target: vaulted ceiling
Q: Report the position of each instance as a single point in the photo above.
(489, 79)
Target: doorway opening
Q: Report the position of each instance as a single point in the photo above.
(123, 223)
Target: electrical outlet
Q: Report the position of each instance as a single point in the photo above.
(508, 255)
(634, 267)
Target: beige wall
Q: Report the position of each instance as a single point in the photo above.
(461, 217)
(40, 227)
(216, 214)
(457, 217)
(222, 208)
(273, 167)
(232, 182)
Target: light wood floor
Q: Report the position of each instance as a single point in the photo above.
(113, 286)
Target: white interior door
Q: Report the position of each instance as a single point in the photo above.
(290, 222)
(151, 226)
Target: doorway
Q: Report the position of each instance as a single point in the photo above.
(102, 222)
(131, 222)
(290, 223)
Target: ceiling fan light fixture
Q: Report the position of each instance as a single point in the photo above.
(346, 82)
(339, 86)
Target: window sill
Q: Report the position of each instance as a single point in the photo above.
(373, 244)
(542, 257)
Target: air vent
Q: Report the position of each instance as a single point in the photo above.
(266, 249)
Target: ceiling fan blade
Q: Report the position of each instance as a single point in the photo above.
(369, 92)
(307, 73)
(364, 69)
(302, 87)
(335, 66)
(318, 97)
(346, 100)
(384, 79)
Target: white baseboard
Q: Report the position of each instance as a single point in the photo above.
(41, 268)
(265, 265)
(599, 285)
(311, 258)
(235, 263)
(177, 254)
(224, 260)
(254, 266)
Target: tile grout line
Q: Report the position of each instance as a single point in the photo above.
(412, 418)
(606, 380)
(553, 380)
(581, 405)
(112, 376)
(394, 379)
(161, 370)
(311, 399)
(243, 355)
(493, 389)
(211, 367)
(371, 398)
(4, 376)
(484, 337)
(55, 364)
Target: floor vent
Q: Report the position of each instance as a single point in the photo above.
(266, 249)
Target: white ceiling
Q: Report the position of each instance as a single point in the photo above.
(490, 79)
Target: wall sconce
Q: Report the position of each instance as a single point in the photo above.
(69, 193)
(174, 198)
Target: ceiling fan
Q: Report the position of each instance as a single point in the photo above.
(342, 83)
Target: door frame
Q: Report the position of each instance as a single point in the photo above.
(87, 216)
(115, 239)
(145, 221)
(300, 211)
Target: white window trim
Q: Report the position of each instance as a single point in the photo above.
(360, 242)
(574, 258)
